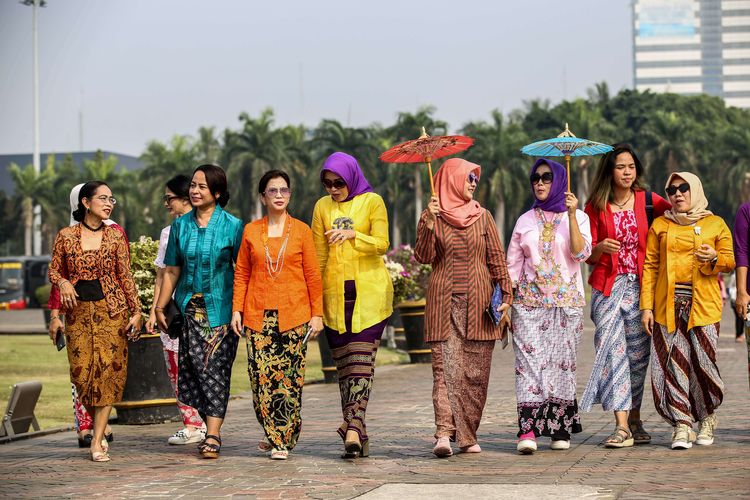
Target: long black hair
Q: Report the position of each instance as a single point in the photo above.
(601, 187)
(87, 191)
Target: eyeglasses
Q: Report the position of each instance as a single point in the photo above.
(106, 199)
(167, 199)
(338, 183)
(682, 188)
(473, 178)
(274, 192)
(546, 178)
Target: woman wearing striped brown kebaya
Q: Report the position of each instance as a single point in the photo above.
(459, 238)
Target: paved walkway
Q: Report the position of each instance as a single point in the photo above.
(400, 423)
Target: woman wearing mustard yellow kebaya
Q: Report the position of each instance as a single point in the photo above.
(681, 309)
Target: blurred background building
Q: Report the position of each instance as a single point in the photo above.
(693, 46)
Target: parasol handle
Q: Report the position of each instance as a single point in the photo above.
(428, 160)
(567, 165)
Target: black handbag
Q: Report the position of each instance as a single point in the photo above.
(175, 320)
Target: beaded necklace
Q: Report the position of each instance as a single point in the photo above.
(274, 268)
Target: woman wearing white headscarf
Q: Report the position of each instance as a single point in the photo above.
(681, 309)
(83, 422)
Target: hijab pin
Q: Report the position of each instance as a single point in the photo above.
(697, 229)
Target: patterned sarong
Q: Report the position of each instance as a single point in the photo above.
(622, 349)
(685, 379)
(545, 343)
(276, 366)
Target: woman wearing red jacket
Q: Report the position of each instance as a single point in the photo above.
(620, 211)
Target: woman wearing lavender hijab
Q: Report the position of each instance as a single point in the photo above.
(350, 230)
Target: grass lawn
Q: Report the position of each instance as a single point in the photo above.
(33, 357)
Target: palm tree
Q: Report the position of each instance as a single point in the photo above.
(28, 183)
(409, 126)
(257, 147)
(496, 149)
(666, 136)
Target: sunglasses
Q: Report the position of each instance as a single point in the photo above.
(546, 178)
(274, 192)
(167, 199)
(682, 188)
(473, 178)
(338, 183)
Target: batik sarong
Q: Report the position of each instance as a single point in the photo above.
(97, 352)
(206, 357)
(685, 379)
(545, 343)
(189, 414)
(461, 375)
(276, 366)
(622, 348)
(354, 355)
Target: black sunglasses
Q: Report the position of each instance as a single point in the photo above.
(546, 178)
(682, 188)
(338, 183)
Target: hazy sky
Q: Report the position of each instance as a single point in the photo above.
(148, 69)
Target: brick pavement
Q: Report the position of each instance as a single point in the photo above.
(400, 425)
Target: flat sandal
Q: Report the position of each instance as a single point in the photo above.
(210, 450)
(640, 436)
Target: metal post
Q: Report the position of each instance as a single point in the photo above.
(37, 224)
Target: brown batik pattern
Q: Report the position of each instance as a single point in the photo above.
(97, 352)
(461, 374)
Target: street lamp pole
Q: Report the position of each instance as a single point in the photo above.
(36, 159)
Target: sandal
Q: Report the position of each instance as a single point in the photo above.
(100, 456)
(279, 454)
(210, 450)
(264, 446)
(640, 436)
(621, 438)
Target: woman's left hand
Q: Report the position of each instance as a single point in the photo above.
(134, 326)
(571, 203)
(706, 253)
(339, 236)
(503, 309)
(316, 323)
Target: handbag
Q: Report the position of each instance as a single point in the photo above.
(175, 320)
(495, 301)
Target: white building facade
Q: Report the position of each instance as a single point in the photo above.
(692, 47)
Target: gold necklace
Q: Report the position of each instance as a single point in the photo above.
(548, 227)
(622, 206)
(274, 267)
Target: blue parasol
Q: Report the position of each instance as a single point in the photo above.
(566, 144)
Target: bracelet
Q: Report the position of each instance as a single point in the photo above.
(158, 308)
(54, 317)
(59, 283)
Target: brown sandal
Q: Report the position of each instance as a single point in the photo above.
(621, 438)
(640, 436)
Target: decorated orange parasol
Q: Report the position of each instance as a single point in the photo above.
(425, 149)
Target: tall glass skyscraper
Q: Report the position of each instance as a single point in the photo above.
(692, 47)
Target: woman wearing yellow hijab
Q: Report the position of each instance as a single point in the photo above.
(681, 309)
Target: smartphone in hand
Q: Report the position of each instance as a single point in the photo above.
(307, 335)
(60, 339)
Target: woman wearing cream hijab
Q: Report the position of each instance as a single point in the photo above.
(681, 309)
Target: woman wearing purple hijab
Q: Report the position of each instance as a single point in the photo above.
(350, 230)
(549, 243)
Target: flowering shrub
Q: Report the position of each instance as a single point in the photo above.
(142, 256)
(408, 276)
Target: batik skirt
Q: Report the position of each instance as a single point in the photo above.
(97, 352)
(276, 365)
(354, 355)
(545, 343)
(685, 379)
(205, 362)
(461, 375)
(622, 348)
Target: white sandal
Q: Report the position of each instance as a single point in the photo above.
(279, 454)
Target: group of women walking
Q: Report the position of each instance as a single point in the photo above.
(278, 282)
